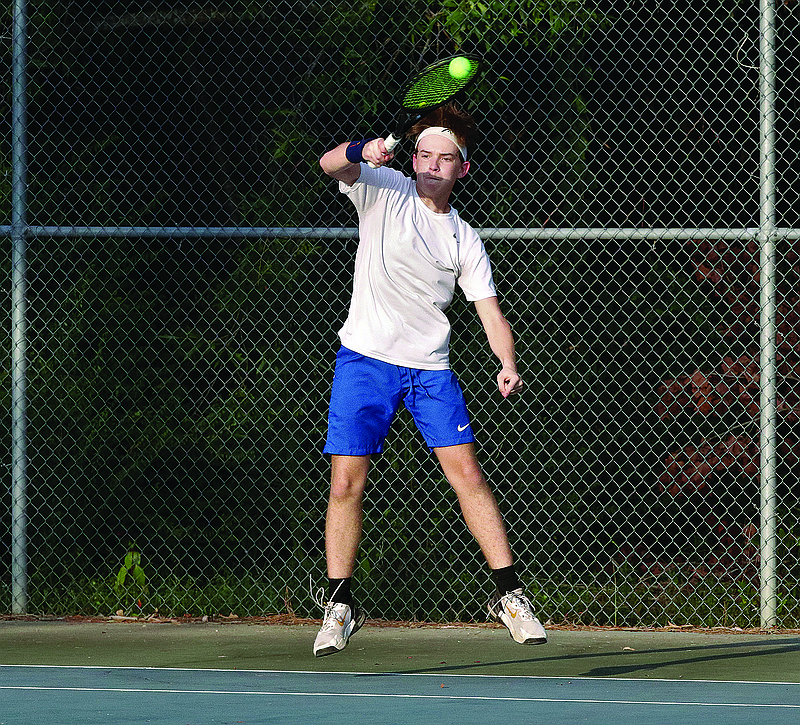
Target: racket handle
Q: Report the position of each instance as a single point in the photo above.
(390, 142)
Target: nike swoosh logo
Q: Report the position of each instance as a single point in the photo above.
(462, 428)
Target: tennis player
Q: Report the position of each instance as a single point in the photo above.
(413, 249)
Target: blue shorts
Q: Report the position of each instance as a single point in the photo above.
(367, 394)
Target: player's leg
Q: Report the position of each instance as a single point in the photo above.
(436, 401)
(478, 504)
(345, 513)
(364, 399)
(342, 617)
(479, 507)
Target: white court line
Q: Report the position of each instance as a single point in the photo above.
(486, 698)
(439, 675)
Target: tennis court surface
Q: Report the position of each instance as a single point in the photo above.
(193, 674)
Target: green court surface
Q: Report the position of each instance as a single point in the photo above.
(197, 674)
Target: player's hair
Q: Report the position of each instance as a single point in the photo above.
(460, 122)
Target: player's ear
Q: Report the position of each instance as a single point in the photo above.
(464, 169)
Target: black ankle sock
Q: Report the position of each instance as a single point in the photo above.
(339, 591)
(506, 579)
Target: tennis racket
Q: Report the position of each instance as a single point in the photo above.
(432, 87)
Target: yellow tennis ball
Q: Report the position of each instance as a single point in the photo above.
(460, 67)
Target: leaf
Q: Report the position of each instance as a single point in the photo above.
(132, 559)
(139, 577)
(121, 575)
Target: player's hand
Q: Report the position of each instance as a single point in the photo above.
(509, 382)
(375, 153)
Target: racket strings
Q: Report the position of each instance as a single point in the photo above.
(435, 87)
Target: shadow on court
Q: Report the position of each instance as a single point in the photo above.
(403, 650)
(695, 659)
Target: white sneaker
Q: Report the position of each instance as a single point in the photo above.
(341, 621)
(514, 610)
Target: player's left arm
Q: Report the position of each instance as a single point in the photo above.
(501, 340)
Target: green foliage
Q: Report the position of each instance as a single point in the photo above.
(626, 598)
(537, 22)
(131, 583)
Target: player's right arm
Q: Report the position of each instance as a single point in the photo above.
(336, 164)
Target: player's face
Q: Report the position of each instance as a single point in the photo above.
(437, 162)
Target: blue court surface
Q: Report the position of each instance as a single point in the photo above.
(121, 695)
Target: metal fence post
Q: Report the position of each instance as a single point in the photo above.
(19, 563)
(768, 369)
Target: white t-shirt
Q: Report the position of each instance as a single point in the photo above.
(408, 261)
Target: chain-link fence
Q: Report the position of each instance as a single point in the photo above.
(188, 267)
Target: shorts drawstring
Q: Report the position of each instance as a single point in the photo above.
(414, 382)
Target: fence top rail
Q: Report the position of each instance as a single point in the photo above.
(493, 233)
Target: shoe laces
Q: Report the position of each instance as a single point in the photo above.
(329, 618)
(319, 595)
(332, 618)
(517, 600)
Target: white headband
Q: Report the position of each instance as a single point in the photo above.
(446, 133)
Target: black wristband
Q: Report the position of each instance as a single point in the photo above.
(353, 151)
